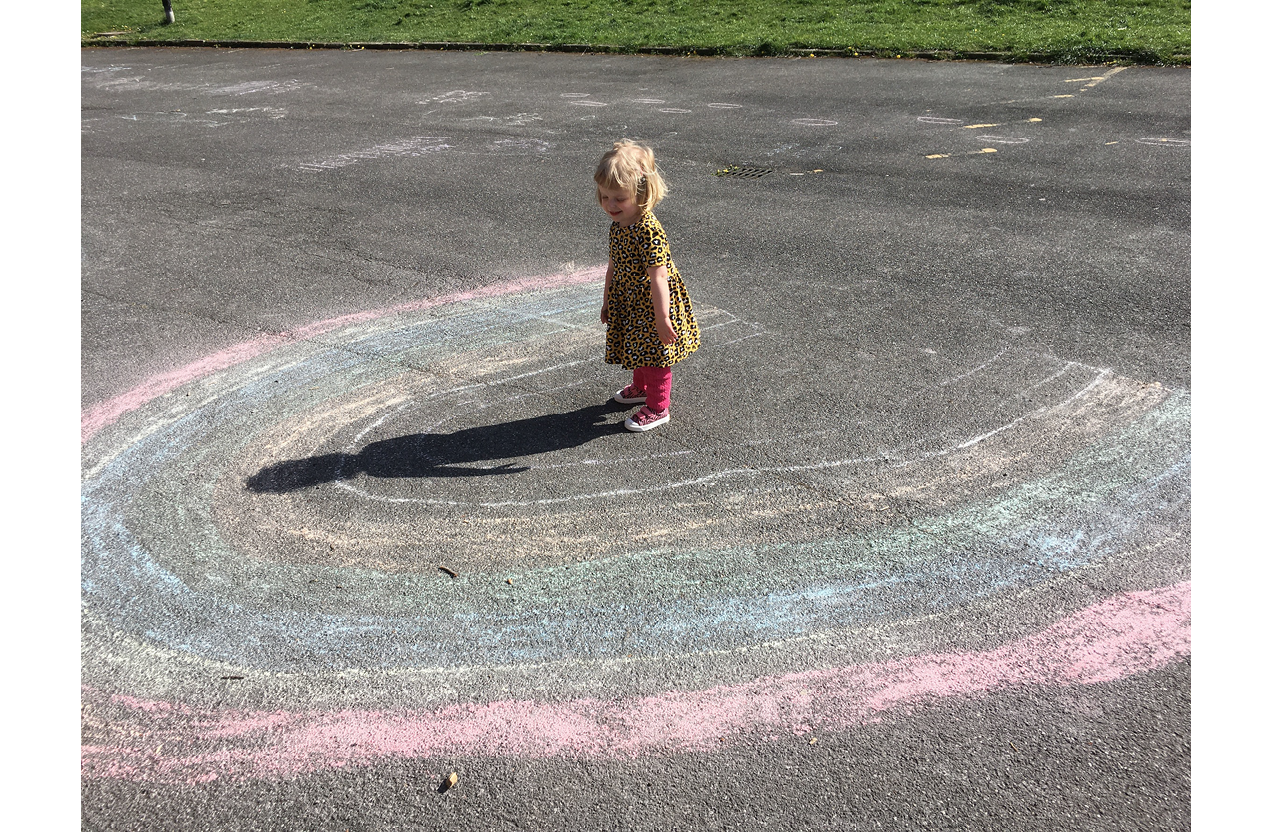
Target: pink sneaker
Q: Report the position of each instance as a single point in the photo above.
(630, 395)
(646, 419)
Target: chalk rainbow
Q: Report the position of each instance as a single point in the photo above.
(317, 633)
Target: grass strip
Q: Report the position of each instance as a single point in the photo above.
(1058, 31)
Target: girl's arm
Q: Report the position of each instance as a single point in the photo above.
(661, 298)
(609, 279)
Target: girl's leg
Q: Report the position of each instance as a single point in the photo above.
(634, 392)
(657, 388)
(657, 400)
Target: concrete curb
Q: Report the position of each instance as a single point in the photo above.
(112, 40)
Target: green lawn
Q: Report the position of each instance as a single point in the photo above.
(1145, 31)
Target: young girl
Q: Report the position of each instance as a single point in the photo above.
(646, 306)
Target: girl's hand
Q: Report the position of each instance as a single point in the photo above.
(605, 313)
(660, 297)
(666, 332)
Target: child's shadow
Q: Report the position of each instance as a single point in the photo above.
(443, 454)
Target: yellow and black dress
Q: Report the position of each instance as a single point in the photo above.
(632, 339)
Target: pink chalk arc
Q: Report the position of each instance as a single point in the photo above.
(1125, 635)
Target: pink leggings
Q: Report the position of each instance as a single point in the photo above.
(656, 382)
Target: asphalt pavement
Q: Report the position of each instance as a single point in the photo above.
(913, 552)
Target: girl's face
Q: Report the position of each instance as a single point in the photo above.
(620, 205)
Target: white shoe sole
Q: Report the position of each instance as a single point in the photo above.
(618, 397)
(630, 424)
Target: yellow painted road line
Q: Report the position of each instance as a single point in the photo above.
(1090, 82)
(999, 124)
(1114, 71)
(968, 153)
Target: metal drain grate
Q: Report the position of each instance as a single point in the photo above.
(743, 173)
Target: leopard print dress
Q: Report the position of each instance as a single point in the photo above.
(632, 339)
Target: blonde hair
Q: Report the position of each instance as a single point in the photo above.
(629, 167)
